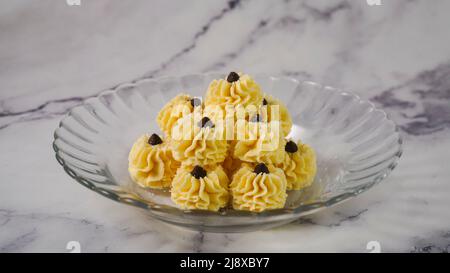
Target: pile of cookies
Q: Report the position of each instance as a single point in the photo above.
(230, 148)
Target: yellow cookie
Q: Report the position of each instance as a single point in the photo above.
(299, 165)
(200, 188)
(236, 89)
(178, 107)
(195, 142)
(258, 188)
(150, 162)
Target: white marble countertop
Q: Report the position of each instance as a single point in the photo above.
(53, 55)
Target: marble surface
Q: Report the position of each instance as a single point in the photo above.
(52, 56)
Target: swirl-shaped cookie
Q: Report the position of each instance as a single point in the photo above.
(237, 89)
(196, 142)
(258, 188)
(200, 188)
(299, 165)
(150, 162)
(178, 107)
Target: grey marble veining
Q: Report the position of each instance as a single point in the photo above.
(53, 56)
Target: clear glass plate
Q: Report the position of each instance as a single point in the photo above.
(357, 146)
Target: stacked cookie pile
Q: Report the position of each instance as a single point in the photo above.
(231, 148)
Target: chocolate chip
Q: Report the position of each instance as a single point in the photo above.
(291, 147)
(256, 118)
(196, 102)
(261, 168)
(264, 102)
(154, 140)
(233, 77)
(205, 122)
(198, 172)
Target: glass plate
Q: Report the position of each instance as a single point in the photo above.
(357, 146)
